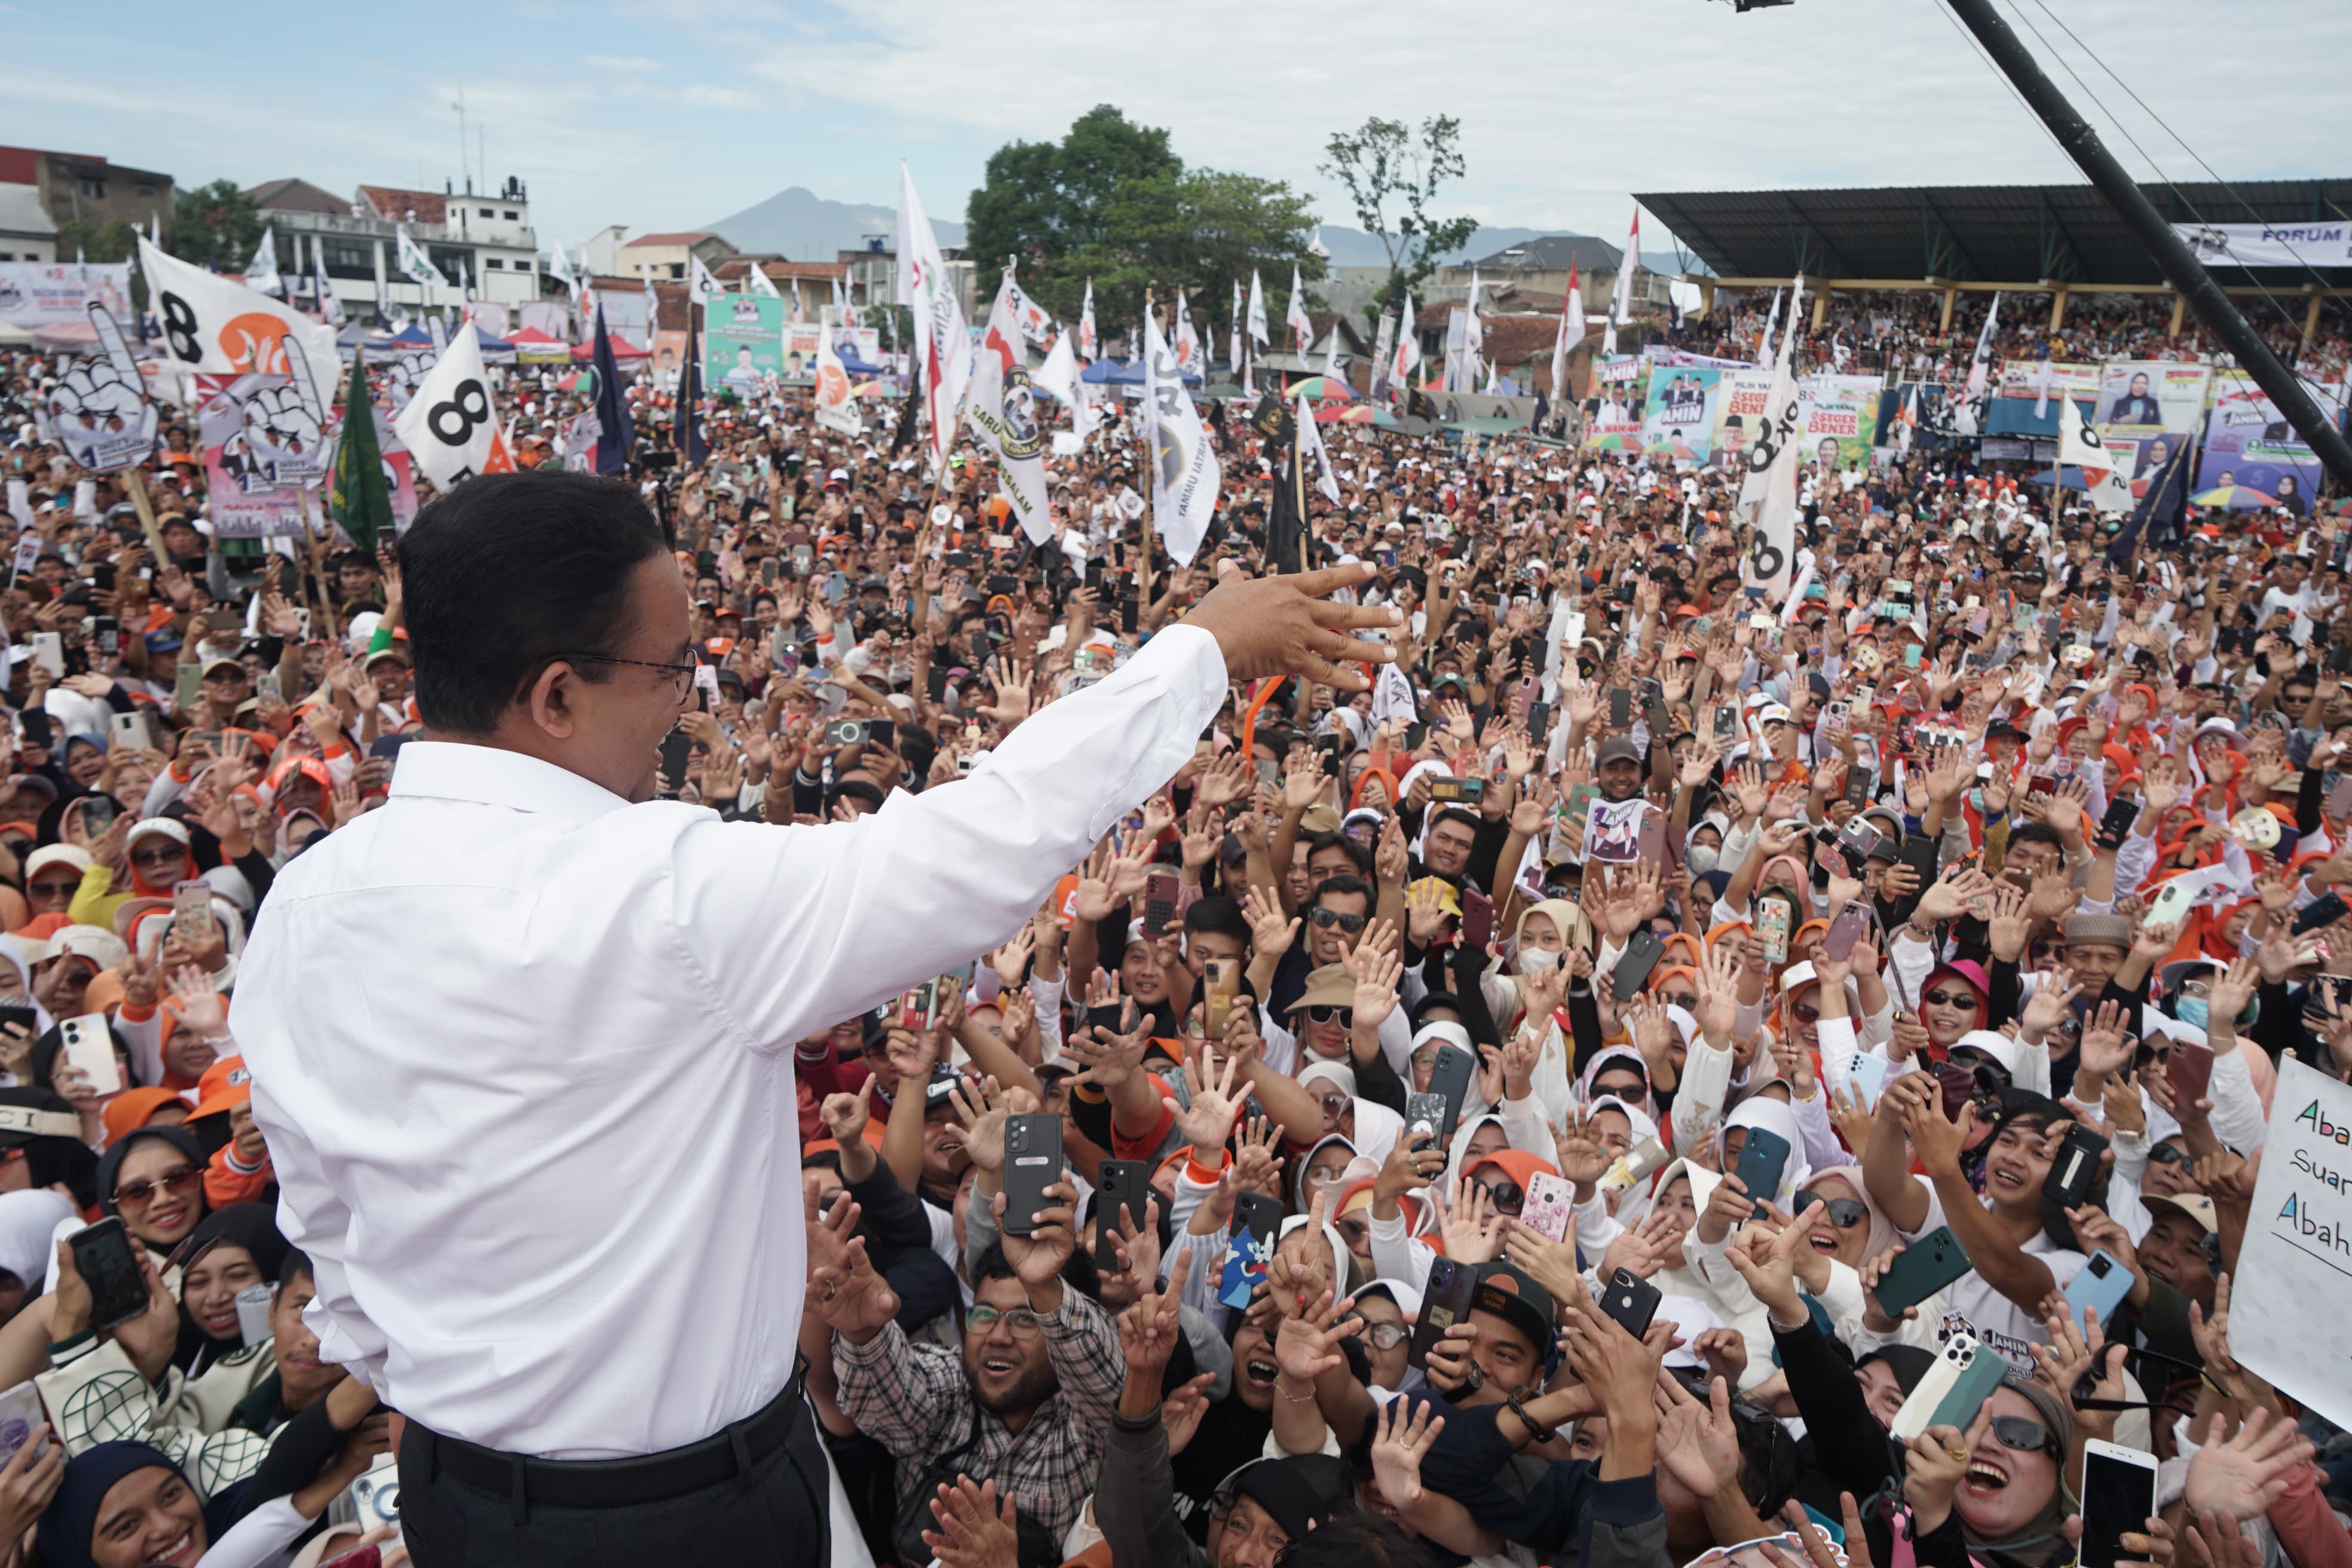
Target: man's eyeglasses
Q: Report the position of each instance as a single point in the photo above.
(1020, 1323)
(2166, 1154)
(681, 675)
(139, 1194)
(1327, 919)
(1844, 1213)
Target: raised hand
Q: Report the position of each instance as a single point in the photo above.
(1399, 1441)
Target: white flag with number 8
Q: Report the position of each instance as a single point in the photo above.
(449, 425)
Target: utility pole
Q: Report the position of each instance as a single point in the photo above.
(2186, 273)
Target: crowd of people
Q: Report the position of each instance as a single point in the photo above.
(1483, 1117)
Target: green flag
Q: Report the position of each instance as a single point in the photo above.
(358, 497)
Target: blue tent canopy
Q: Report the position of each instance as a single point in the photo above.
(856, 367)
(1108, 373)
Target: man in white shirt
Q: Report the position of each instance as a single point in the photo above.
(548, 1168)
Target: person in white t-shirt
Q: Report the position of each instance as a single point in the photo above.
(2016, 1267)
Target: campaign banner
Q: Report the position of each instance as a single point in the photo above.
(2297, 245)
(1678, 418)
(1662, 355)
(2249, 445)
(37, 294)
(1838, 419)
(1616, 422)
(2022, 378)
(742, 341)
(100, 410)
(1617, 369)
(1742, 399)
(2146, 410)
(2285, 1318)
(801, 341)
(246, 498)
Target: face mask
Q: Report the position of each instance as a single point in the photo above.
(2190, 1010)
(1537, 960)
(1701, 858)
(1975, 800)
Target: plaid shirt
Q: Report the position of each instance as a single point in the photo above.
(916, 1401)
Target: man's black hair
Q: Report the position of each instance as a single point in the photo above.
(1462, 815)
(509, 571)
(1344, 883)
(296, 1267)
(1350, 1537)
(1358, 855)
(2036, 832)
(1214, 912)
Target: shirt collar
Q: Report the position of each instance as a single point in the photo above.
(492, 775)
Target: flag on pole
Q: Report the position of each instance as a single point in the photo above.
(942, 342)
(1981, 365)
(1331, 351)
(653, 315)
(209, 323)
(702, 287)
(1087, 349)
(1908, 422)
(261, 272)
(1302, 330)
(414, 264)
(1233, 331)
(357, 497)
(559, 267)
(1184, 471)
(1771, 320)
(2078, 443)
(615, 431)
(1257, 311)
(1286, 519)
(695, 448)
(1036, 326)
(449, 428)
(1474, 336)
(1571, 333)
(330, 310)
(1408, 346)
(799, 311)
(1310, 440)
(1384, 346)
(2042, 368)
(1003, 413)
(1059, 375)
(1769, 495)
(762, 284)
(1621, 299)
(1188, 342)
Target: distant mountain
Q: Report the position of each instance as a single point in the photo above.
(802, 225)
(1354, 248)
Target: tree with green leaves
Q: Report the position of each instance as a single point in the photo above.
(97, 239)
(1112, 203)
(215, 226)
(1392, 176)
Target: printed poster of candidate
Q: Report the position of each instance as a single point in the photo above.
(1838, 419)
(742, 341)
(1678, 417)
(2249, 445)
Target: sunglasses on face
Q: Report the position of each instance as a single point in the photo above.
(1948, 999)
(1844, 1213)
(2166, 1154)
(1327, 919)
(1343, 1016)
(2020, 1435)
(1334, 1105)
(1685, 1000)
(1506, 1197)
(139, 1194)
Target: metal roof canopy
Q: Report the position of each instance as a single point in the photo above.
(2008, 234)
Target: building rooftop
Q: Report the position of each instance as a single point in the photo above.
(680, 236)
(394, 204)
(299, 195)
(1552, 253)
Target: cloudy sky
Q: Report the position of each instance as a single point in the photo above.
(670, 113)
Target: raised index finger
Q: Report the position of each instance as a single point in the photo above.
(1329, 579)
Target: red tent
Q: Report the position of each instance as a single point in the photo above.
(622, 349)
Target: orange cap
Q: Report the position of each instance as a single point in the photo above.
(226, 1085)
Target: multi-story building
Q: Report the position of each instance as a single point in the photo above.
(41, 190)
(1541, 267)
(663, 256)
(484, 238)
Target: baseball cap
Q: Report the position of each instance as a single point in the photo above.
(226, 1084)
(2196, 1205)
(1617, 749)
(96, 943)
(1513, 1295)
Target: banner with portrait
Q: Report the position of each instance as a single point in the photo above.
(1678, 417)
(264, 449)
(2249, 445)
(2024, 378)
(743, 341)
(1740, 403)
(2146, 410)
(1838, 419)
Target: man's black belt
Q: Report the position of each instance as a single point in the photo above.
(626, 1483)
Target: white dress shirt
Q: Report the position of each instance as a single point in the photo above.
(523, 1054)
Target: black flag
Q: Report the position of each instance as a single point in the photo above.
(2151, 506)
(694, 446)
(1417, 405)
(906, 431)
(1286, 525)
